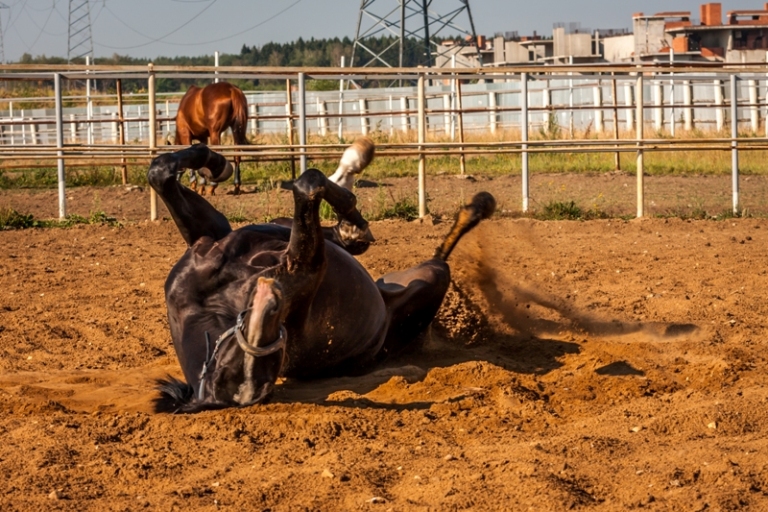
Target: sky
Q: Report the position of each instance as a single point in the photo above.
(151, 28)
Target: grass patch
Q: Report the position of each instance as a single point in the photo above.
(405, 209)
(557, 210)
(568, 210)
(10, 219)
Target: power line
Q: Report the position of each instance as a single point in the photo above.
(159, 39)
(202, 42)
(42, 29)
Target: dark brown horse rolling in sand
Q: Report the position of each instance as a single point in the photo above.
(204, 113)
(246, 306)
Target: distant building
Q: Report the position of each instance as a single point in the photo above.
(742, 38)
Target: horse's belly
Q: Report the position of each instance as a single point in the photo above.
(347, 320)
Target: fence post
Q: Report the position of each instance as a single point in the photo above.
(629, 102)
(719, 117)
(672, 93)
(688, 105)
(734, 145)
(152, 136)
(447, 114)
(404, 117)
(168, 117)
(254, 114)
(121, 133)
(598, 98)
(658, 101)
(524, 136)
(72, 129)
(302, 122)
(88, 105)
(289, 114)
(322, 120)
(492, 109)
(391, 119)
(460, 118)
(422, 157)
(617, 155)
(139, 123)
(453, 102)
(113, 116)
(639, 129)
(754, 116)
(341, 104)
(216, 64)
(33, 131)
(10, 115)
(570, 99)
(363, 118)
(60, 146)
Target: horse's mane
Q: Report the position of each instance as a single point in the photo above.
(174, 395)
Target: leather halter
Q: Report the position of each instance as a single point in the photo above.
(237, 331)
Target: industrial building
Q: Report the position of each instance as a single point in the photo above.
(740, 36)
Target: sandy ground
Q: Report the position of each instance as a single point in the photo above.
(602, 365)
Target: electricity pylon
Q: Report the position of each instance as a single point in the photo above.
(406, 19)
(79, 37)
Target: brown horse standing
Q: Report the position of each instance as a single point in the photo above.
(204, 113)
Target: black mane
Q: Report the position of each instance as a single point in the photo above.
(174, 395)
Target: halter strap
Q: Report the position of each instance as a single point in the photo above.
(254, 351)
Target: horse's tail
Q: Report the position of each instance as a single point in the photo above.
(481, 207)
(239, 116)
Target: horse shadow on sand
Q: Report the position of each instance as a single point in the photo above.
(518, 331)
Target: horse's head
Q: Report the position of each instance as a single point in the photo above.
(243, 368)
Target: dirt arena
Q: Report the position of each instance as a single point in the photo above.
(601, 365)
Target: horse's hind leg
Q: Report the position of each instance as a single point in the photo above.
(194, 216)
(413, 296)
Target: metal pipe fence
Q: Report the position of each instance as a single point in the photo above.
(571, 101)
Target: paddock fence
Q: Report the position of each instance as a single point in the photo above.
(663, 101)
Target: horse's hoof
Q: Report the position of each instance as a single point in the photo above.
(212, 190)
(237, 190)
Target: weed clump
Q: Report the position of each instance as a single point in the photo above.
(10, 219)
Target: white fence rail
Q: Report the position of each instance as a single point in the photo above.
(575, 105)
(574, 98)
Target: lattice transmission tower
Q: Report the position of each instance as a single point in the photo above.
(408, 20)
(2, 36)
(79, 37)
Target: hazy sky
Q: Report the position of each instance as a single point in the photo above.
(148, 28)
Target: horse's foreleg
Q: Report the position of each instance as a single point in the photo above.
(194, 216)
(237, 175)
(306, 248)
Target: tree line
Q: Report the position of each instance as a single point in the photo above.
(298, 53)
